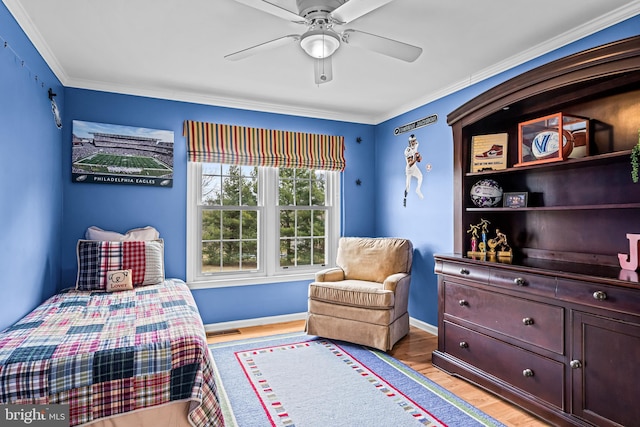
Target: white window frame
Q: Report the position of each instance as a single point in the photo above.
(268, 232)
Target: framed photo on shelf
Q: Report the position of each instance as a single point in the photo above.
(515, 200)
(489, 152)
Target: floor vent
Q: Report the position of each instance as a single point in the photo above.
(223, 332)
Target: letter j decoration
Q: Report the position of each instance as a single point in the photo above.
(631, 261)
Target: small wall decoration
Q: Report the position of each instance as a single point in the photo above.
(412, 158)
(489, 152)
(429, 120)
(114, 154)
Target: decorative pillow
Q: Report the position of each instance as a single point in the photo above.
(144, 233)
(119, 280)
(96, 259)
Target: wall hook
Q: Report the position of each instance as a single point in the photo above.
(358, 140)
(358, 182)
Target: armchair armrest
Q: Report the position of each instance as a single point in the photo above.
(333, 274)
(391, 282)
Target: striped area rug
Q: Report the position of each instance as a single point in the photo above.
(300, 380)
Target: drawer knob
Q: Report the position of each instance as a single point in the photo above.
(575, 364)
(528, 321)
(464, 271)
(600, 296)
(463, 344)
(527, 373)
(463, 302)
(519, 281)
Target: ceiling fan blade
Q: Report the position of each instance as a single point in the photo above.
(254, 50)
(354, 9)
(323, 70)
(274, 9)
(383, 45)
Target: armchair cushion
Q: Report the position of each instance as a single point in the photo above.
(373, 259)
(355, 293)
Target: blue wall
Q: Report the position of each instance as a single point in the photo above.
(122, 207)
(30, 175)
(43, 214)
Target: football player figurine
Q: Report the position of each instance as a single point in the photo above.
(412, 158)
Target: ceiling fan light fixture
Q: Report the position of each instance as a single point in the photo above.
(320, 43)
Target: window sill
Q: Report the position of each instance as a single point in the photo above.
(248, 281)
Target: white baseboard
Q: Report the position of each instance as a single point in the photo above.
(258, 321)
(427, 327)
(261, 321)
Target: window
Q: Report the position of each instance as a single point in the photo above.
(251, 224)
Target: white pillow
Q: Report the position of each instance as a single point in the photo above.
(144, 233)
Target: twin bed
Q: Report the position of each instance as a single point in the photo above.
(133, 357)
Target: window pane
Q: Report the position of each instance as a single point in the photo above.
(319, 218)
(303, 253)
(230, 256)
(249, 192)
(285, 192)
(231, 185)
(211, 184)
(231, 225)
(318, 187)
(249, 255)
(319, 251)
(303, 224)
(287, 253)
(303, 192)
(287, 223)
(211, 258)
(210, 225)
(249, 224)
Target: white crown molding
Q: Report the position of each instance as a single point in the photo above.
(229, 102)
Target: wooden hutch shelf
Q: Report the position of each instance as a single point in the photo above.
(556, 328)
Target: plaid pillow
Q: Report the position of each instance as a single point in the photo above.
(145, 259)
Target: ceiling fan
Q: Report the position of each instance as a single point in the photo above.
(321, 40)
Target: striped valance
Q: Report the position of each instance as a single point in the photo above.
(240, 145)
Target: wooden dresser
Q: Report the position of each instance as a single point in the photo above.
(556, 329)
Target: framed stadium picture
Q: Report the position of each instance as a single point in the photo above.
(114, 154)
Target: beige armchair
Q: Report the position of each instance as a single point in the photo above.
(364, 299)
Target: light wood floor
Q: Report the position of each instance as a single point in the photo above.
(414, 350)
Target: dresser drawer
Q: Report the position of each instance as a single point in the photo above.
(476, 273)
(602, 296)
(533, 322)
(532, 373)
(530, 283)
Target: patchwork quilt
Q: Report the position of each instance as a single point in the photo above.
(105, 354)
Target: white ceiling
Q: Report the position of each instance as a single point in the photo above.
(175, 50)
